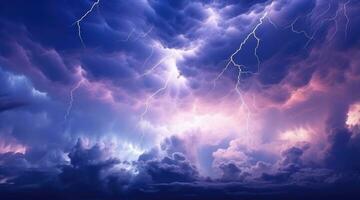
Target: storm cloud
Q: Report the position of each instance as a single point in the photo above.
(179, 99)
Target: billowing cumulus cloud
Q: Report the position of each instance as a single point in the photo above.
(181, 99)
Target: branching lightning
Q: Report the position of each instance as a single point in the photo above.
(77, 22)
(149, 71)
(231, 61)
(322, 22)
(151, 97)
(141, 35)
(328, 19)
(292, 26)
(231, 58)
(148, 58)
(68, 111)
(240, 67)
(145, 34)
(243, 103)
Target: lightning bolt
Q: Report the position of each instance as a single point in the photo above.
(272, 22)
(148, 58)
(243, 102)
(240, 67)
(253, 33)
(77, 22)
(141, 35)
(347, 18)
(336, 23)
(68, 110)
(128, 36)
(303, 32)
(149, 71)
(325, 11)
(292, 26)
(328, 19)
(151, 97)
(322, 22)
(231, 58)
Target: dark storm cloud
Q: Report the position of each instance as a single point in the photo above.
(41, 51)
(230, 171)
(176, 21)
(7, 103)
(279, 48)
(170, 169)
(343, 150)
(173, 167)
(91, 175)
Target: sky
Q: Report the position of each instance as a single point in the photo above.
(157, 99)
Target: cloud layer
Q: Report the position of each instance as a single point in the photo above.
(193, 99)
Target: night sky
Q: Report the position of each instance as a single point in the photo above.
(179, 99)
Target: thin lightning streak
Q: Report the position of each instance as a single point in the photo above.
(347, 18)
(143, 35)
(303, 32)
(333, 18)
(148, 58)
(336, 24)
(243, 103)
(148, 100)
(272, 22)
(325, 11)
(128, 36)
(77, 86)
(154, 67)
(292, 26)
(220, 74)
(147, 32)
(77, 22)
(253, 98)
(319, 16)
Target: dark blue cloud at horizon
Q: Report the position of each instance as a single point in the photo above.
(147, 107)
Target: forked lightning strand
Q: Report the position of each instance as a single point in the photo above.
(292, 26)
(148, 100)
(154, 67)
(231, 59)
(240, 66)
(128, 36)
(322, 22)
(82, 17)
(68, 111)
(141, 35)
(243, 103)
(347, 18)
(148, 58)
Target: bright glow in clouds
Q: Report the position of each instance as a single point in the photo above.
(208, 123)
(353, 116)
(296, 135)
(10, 146)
